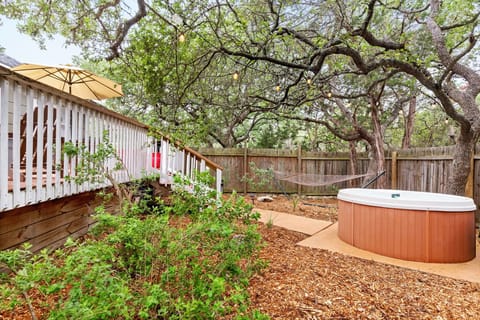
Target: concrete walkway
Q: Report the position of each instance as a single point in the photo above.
(292, 222)
(323, 235)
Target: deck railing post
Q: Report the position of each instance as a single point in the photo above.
(58, 149)
(188, 165)
(39, 151)
(164, 160)
(49, 155)
(17, 199)
(218, 180)
(36, 122)
(31, 104)
(4, 88)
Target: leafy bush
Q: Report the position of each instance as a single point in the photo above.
(191, 196)
(259, 178)
(194, 264)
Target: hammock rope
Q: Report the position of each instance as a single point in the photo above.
(316, 180)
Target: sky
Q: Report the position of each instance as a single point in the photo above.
(22, 48)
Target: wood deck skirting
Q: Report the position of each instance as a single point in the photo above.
(48, 224)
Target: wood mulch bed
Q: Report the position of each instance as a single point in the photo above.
(306, 283)
(322, 208)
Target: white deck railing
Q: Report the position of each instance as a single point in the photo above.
(36, 121)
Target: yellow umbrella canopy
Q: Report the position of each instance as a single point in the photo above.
(73, 80)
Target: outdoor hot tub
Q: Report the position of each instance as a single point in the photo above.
(408, 225)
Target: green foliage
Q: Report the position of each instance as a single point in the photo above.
(95, 289)
(258, 178)
(93, 167)
(135, 241)
(274, 134)
(319, 138)
(143, 200)
(295, 200)
(192, 194)
(99, 166)
(432, 129)
(194, 266)
(236, 208)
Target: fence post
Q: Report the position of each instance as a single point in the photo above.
(245, 169)
(299, 167)
(394, 170)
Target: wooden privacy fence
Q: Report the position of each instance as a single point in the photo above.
(422, 169)
(237, 163)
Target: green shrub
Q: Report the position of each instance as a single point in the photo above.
(195, 264)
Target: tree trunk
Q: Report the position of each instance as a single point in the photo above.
(407, 135)
(353, 161)
(377, 163)
(464, 149)
(377, 156)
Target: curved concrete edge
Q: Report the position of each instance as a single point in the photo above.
(328, 240)
(292, 222)
(323, 235)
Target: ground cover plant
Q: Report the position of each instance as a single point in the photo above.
(176, 262)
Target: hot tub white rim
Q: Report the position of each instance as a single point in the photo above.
(370, 198)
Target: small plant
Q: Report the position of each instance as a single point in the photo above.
(15, 286)
(97, 167)
(269, 223)
(259, 178)
(236, 208)
(295, 201)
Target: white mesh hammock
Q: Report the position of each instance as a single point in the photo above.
(316, 180)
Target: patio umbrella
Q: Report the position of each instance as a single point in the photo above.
(73, 80)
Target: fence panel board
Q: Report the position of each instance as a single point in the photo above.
(423, 169)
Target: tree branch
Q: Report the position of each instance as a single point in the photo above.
(123, 29)
(461, 24)
(284, 30)
(445, 57)
(369, 37)
(252, 57)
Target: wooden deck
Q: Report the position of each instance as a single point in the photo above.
(34, 181)
(36, 121)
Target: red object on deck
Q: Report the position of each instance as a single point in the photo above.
(156, 160)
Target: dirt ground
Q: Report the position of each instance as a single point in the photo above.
(323, 208)
(306, 283)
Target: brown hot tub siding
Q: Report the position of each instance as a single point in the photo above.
(425, 236)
